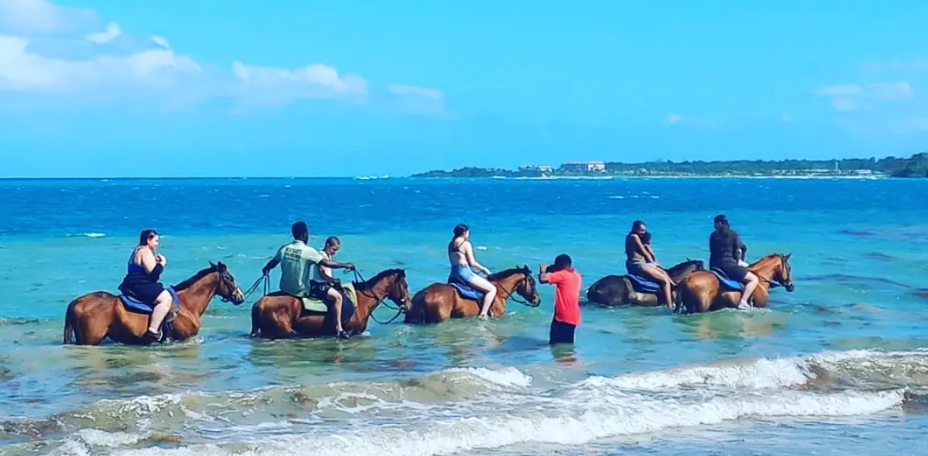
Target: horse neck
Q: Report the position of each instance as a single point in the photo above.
(371, 294)
(197, 296)
(765, 267)
(506, 287)
(677, 272)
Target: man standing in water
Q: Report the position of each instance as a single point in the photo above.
(297, 262)
(566, 298)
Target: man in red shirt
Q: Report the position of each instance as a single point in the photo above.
(566, 298)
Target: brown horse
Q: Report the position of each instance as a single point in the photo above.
(440, 301)
(701, 291)
(99, 315)
(278, 315)
(616, 290)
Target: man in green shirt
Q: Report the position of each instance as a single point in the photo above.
(297, 261)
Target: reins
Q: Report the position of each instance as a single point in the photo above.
(400, 310)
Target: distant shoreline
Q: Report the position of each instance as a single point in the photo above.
(846, 168)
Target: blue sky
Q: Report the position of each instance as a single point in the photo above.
(308, 88)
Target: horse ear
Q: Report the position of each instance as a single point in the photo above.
(786, 257)
(221, 266)
(212, 265)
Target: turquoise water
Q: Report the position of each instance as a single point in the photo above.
(837, 366)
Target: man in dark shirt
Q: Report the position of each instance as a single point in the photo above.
(725, 254)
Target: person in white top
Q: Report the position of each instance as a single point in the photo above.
(323, 273)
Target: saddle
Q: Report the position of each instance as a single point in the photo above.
(134, 305)
(318, 306)
(643, 284)
(727, 283)
(465, 290)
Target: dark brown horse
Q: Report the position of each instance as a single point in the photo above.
(99, 315)
(617, 290)
(278, 315)
(702, 292)
(440, 301)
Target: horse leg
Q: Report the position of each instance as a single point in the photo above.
(91, 323)
(256, 311)
(440, 309)
(276, 319)
(643, 299)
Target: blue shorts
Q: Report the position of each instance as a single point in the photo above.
(462, 272)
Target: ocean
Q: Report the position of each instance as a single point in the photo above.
(839, 366)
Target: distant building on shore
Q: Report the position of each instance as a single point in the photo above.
(539, 168)
(584, 167)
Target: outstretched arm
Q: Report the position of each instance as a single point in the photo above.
(270, 265)
(335, 264)
(469, 254)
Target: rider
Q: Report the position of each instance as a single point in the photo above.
(141, 281)
(463, 263)
(322, 273)
(641, 260)
(297, 260)
(725, 252)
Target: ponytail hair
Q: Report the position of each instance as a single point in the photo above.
(146, 235)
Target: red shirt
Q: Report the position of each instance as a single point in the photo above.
(566, 295)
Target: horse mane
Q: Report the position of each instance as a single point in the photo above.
(686, 264)
(377, 278)
(196, 278)
(503, 275)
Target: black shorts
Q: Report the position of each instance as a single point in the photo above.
(561, 333)
(734, 271)
(319, 290)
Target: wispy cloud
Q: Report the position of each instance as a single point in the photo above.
(28, 72)
(398, 89)
(153, 68)
(786, 117)
(853, 97)
(41, 16)
(673, 119)
(895, 65)
(278, 85)
(111, 33)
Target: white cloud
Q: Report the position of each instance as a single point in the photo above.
(160, 42)
(28, 72)
(786, 117)
(853, 97)
(43, 17)
(399, 89)
(674, 119)
(895, 65)
(111, 33)
(844, 104)
(156, 68)
(842, 89)
(278, 85)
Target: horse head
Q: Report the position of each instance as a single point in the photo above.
(226, 289)
(527, 288)
(399, 290)
(784, 273)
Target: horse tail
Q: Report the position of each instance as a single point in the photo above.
(69, 323)
(255, 320)
(416, 313)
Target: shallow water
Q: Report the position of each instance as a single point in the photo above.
(837, 366)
